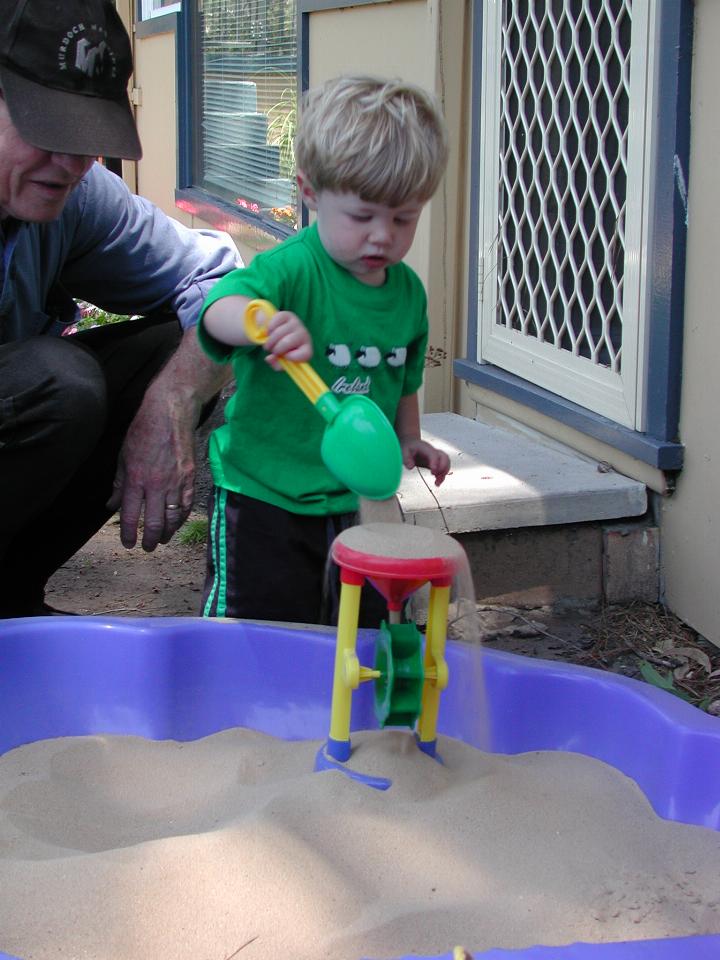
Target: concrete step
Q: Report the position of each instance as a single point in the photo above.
(502, 480)
(540, 524)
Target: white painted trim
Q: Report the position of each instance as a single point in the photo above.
(151, 8)
(618, 396)
(642, 148)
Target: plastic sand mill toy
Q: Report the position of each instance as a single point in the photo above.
(359, 445)
(397, 559)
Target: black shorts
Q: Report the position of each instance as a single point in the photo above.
(266, 563)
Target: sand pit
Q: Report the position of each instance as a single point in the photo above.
(120, 848)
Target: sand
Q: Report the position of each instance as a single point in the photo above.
(119, 848)
(402, 541)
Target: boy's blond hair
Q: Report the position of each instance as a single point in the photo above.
(384, 140)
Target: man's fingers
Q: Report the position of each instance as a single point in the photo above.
(161, 523)
(175, 516)
(130, 517)
(163, 514)
(154, 519)
(164, 504)
(161, 520)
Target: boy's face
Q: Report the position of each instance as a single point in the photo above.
(363, 237)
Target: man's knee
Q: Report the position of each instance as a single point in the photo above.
(50, 386)
(131, 354)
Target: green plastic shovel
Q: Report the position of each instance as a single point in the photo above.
(359, 445)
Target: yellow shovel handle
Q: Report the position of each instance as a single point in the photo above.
(302, 373)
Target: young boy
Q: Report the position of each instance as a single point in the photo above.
(370, 154)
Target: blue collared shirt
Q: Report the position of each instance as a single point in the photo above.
(110, 248)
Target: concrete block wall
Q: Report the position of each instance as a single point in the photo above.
(574, 564)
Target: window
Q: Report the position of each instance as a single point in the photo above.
(580, 126)
(157, 8)
(245, 98)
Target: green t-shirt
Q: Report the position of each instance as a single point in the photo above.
(366, 340)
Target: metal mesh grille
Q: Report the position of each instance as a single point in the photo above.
(563, 174)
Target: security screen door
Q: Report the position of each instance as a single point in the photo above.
(566, 132)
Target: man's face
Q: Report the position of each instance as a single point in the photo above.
(34, 184)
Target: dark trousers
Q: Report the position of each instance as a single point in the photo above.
(265, 563)
(65, 407)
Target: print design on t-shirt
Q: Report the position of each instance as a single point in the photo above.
(368, 357)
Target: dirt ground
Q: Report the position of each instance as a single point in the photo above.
(644, 641)
(105, 579)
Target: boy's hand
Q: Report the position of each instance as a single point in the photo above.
(288, 338)
(420, 453)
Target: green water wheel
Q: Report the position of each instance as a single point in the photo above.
(398, 689)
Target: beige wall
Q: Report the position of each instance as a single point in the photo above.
(691, 517)
(156, 115)
(424, 41)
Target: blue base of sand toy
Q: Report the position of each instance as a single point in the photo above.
(188, 678)
(683, 948)
(334, 755)
(325, 760)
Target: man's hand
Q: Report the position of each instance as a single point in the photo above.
(156, 468)
(155, 474)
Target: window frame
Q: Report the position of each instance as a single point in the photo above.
(194, 199)
(664, 281)
(148, 11)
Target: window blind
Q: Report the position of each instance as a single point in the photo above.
(247, 103)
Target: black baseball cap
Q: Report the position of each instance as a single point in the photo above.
(64, 70)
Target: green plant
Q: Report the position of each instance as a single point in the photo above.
(665, 682)
(92, 316)
(281, 130)
(194, 531)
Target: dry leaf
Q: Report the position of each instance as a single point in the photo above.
(692, 653)
(681, 672)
